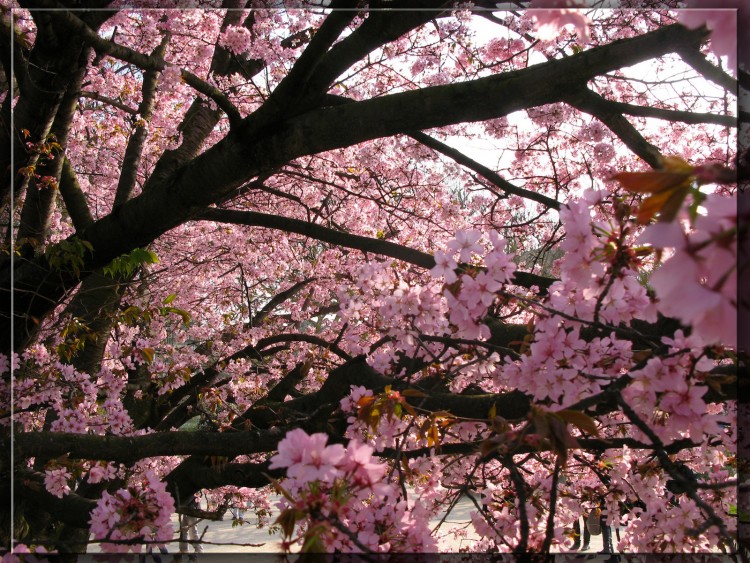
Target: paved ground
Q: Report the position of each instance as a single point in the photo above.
(223, 537)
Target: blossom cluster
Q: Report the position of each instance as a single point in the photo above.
(134, 515)
(56, 481)
(170, 77)
(698, 283)
(593, 284)
(667, 385)
(551, 16)
(721, 18)
(236, 39)
(465, 282)
(22, 553)
(334, 486)
(83, 404)
(468, 302)
(384, 300)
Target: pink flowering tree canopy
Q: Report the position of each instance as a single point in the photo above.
(373, 259)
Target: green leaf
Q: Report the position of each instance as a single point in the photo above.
(171, 297)
(126, 264)
(143, 256)
(68, 254)
(186, 317)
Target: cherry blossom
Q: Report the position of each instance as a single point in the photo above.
(722, 20)
(141, 511)
(465, 243)
(56, 481)
(312, 461)
(704, 262)
(549, 21)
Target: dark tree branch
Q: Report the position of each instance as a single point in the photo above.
(74, 198)
(512, 405)
(72, 509)
(550, 529)
(311, 338)
(277, 300)
(520, 486)
(51, 67)
(379, 28)
(199, 119)
(318, 232)
(132, 448)
(287, 383)
(9, 37)
(109, 101)
(668, 114)
(744, 79)
(292, 87)
(699, 62)
(215, 94)
(40, 198)
(365, 244)
(191, 477)
(587, 444)
(53, 9)
(483, 171)
(593, 104)
(179, 399)
(137, 140)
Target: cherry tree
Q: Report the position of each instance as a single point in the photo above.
(374, 258)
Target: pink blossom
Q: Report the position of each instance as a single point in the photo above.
(358, 461)
(143, 510)
(604, 152)
(688, 403)
(698, 283)
(307, 458)
(171, 77)
(465, 243)
(56, 481)
(549, 22)
(98, 473)
(349, 402)
(664, 234)
(318, 462)
(290, 449)
(595, 131)
(500, 265)
(721, 20)
(445, 266)
(236, 39)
